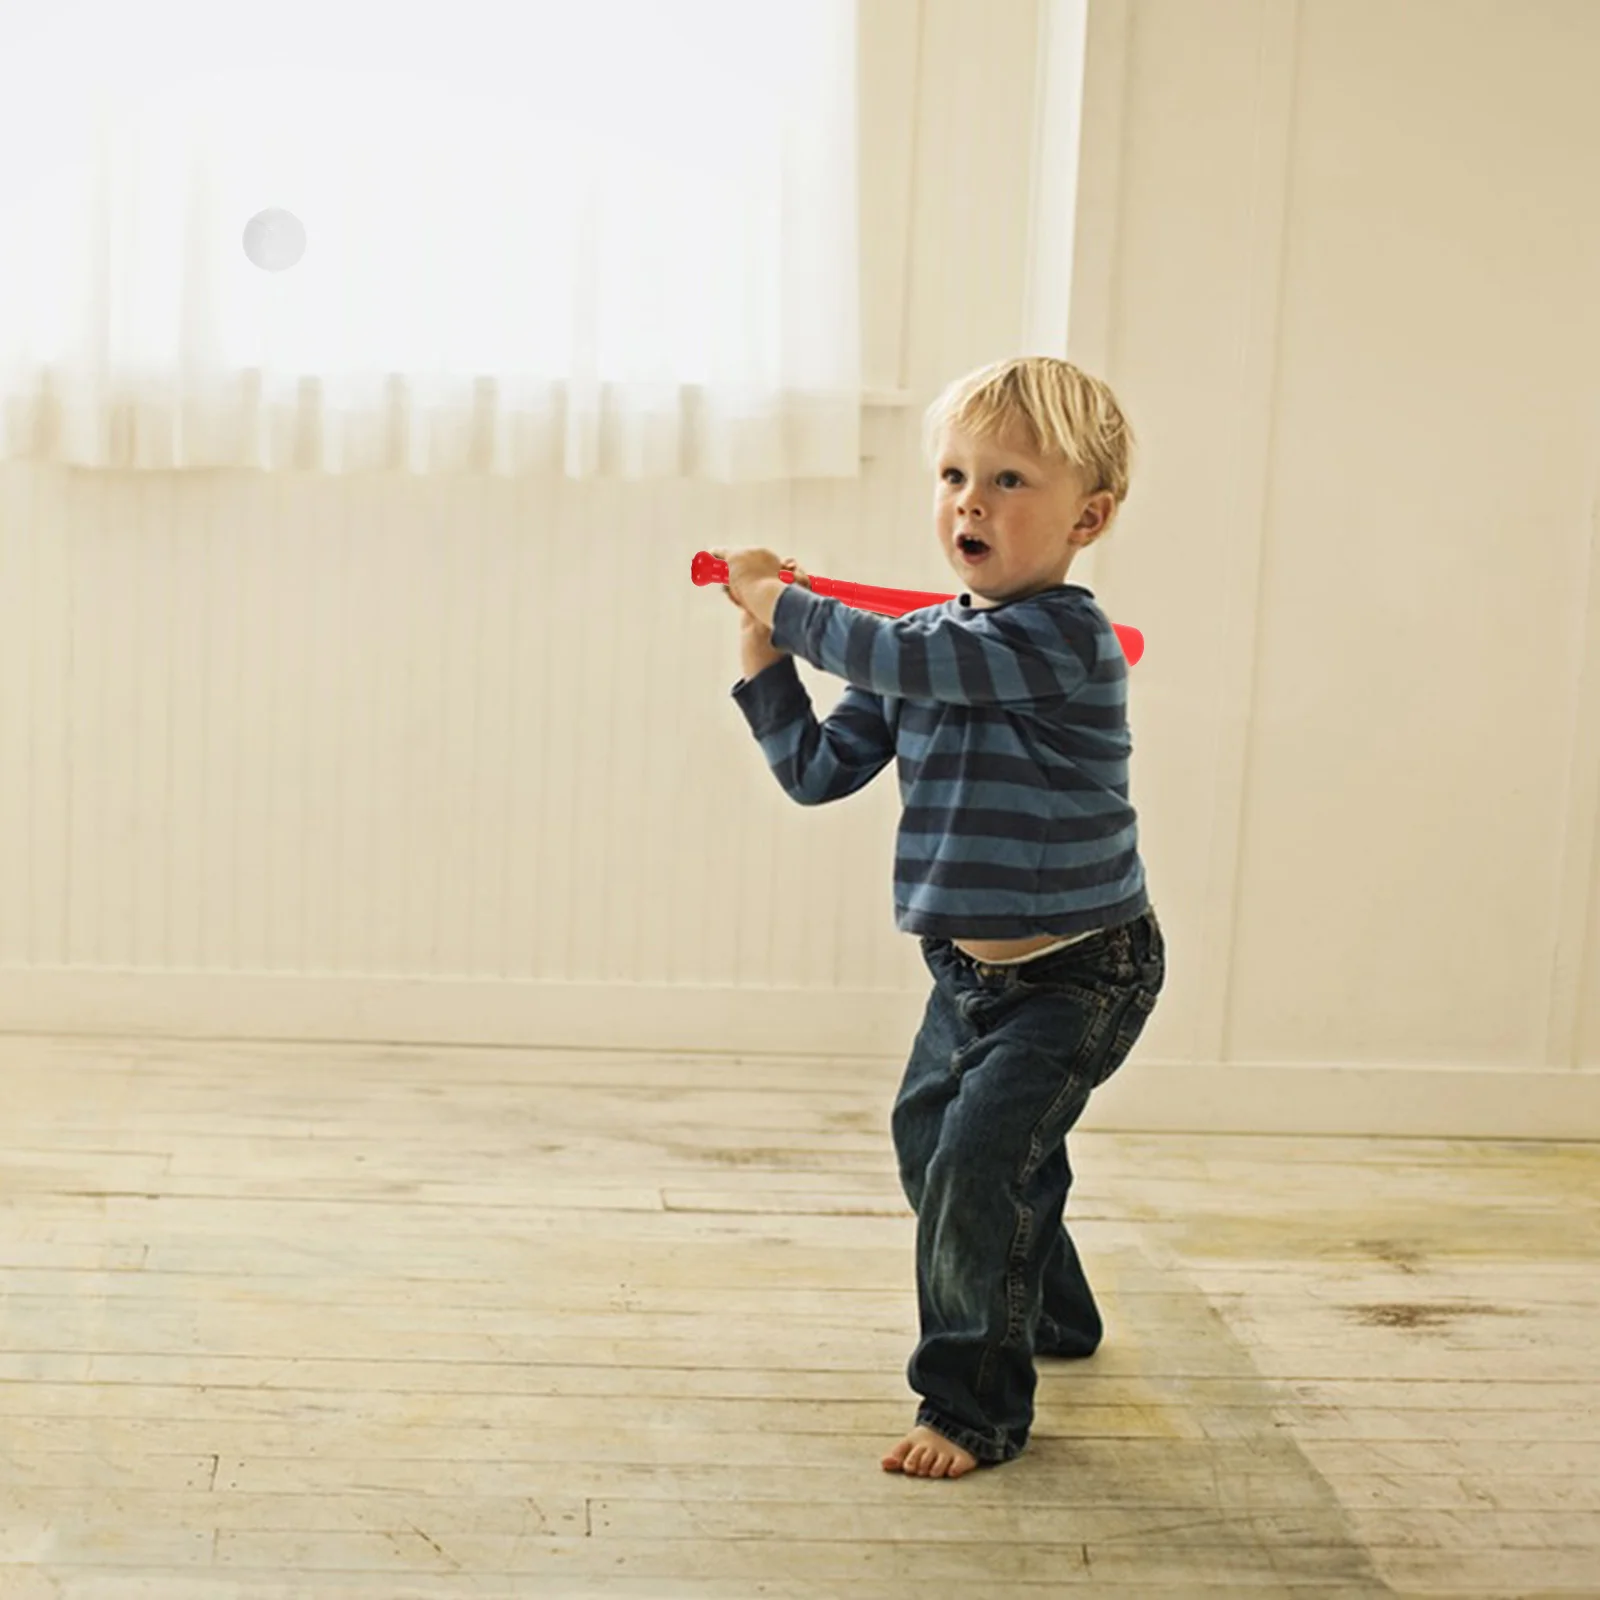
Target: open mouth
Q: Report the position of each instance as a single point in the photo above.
(971, 549)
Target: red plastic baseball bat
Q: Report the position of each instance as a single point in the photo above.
(707, 568)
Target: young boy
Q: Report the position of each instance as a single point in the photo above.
(1017, 863)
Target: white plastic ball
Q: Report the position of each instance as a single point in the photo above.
(274, 239)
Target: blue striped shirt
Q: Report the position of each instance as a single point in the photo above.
(1009, 726)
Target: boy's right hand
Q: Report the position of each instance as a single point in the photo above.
(750, 627)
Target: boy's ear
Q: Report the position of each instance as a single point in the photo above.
(1094, 518)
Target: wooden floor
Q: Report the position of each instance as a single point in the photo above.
(306, 1323)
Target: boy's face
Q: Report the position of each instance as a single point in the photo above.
(1009, 520)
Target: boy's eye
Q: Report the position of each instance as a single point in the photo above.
(951, 475)
(1010, 480)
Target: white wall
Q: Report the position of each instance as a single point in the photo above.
(376, 759)
(1354, 248)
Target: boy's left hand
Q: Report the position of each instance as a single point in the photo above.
(755, 581)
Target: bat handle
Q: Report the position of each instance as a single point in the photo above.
(707, 568)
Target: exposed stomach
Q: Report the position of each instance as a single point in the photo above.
(1005, 949)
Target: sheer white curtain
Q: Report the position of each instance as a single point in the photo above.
(599, 237)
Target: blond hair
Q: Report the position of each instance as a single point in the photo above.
(1065, 412)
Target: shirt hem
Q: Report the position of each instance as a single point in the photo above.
(930, 926)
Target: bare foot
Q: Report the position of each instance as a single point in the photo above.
(923, 1453)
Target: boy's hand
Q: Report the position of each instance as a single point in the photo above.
(754, 582)
(801, 576)
(756, 650)
(748, 570)
(751, 564)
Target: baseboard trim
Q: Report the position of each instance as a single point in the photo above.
(1150, 1095)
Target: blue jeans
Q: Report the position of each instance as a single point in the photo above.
(1002, 1067)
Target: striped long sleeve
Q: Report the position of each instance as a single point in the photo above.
(1017, 655)
(815, 761)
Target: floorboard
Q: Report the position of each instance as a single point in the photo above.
(341, 1323)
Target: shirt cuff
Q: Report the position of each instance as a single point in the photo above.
(773, 698)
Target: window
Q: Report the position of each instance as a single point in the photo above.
(603, 236)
